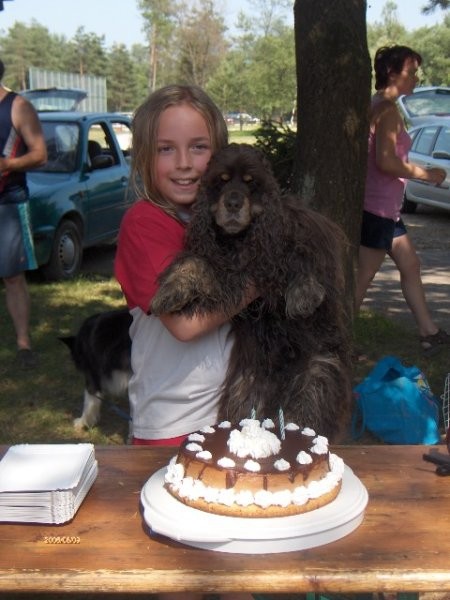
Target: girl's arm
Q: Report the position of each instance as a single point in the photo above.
(148, 241)
(186, 329)
(388, 125)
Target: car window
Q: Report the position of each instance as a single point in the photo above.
(124, 137)
(423, 143)
(414, 134)
(100, 143)
(428, 102)
(443, 141)
(62, 146)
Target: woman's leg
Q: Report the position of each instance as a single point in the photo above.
(369, 263)
(405, 257)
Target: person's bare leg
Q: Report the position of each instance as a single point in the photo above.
(405, 257)
(369, 263)
(18, 305)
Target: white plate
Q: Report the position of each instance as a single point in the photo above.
(166, 515)
(43, 467)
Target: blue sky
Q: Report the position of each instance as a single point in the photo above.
(119, 20)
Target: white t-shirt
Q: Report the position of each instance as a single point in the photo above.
(175, 386)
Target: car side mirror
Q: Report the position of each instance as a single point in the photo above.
(102, 162)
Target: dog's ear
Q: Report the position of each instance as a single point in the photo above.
(200, 232)
(69, 341)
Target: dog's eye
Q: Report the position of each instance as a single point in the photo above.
(247, 178)
(225, 177)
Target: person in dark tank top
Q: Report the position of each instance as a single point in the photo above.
(22, 147)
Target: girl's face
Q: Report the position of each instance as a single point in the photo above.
(183, 152)
(407, 80)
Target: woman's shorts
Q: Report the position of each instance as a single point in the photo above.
(16, 240)
(378, 232)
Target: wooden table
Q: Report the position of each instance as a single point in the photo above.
(403, 543)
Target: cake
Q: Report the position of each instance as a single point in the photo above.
(255, 470)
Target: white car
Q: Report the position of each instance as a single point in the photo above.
(430, 148)
(427, 112)
(425, 102)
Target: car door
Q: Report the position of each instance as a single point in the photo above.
(441, 158)
(107, 176)
(421, 153)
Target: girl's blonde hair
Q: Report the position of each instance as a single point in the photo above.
(145, 133)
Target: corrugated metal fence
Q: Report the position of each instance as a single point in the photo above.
(94, 86)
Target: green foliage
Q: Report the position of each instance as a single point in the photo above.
(252, 71)
(201, 44)
(122, 85)
(246, 81)
(278, 144)
(433, 43)
(87, 53)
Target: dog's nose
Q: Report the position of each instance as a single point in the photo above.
(234, 200)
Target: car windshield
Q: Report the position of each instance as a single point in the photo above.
(62, 145)
(428, 102)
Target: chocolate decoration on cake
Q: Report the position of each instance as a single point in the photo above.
(247, 470)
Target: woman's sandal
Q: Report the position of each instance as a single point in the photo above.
(432, 344)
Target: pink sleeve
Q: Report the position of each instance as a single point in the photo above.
(149, 240)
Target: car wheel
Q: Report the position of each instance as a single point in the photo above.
(67, 253)
(408, 207)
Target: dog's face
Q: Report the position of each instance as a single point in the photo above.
(236, 183)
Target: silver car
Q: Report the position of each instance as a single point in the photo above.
(423, 103)
(427, 112)
(430, 148)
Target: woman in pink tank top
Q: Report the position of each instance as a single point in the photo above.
(383, 231)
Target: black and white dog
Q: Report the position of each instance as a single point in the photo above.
(101, 350)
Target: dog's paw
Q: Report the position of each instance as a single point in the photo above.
(79, 424)
(185, 286)
(303, 297)
(91, 411)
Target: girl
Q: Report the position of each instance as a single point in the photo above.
(383, 232)
(178, 363)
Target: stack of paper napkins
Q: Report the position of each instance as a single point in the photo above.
(45, 483)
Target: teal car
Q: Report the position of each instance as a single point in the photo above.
(78, 198)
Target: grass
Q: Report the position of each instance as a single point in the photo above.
(246, 136)
(40, 405)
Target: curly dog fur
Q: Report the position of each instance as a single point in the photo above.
(291, 346)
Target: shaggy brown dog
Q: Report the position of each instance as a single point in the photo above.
(291, 346)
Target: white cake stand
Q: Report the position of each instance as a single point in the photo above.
(166, 515)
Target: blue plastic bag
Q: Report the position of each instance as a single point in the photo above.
(396, 404)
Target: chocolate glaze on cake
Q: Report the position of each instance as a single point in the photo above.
(249, 470)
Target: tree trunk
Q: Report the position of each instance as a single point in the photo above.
(333, 96)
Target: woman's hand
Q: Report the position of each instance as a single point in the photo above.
(436, 175)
